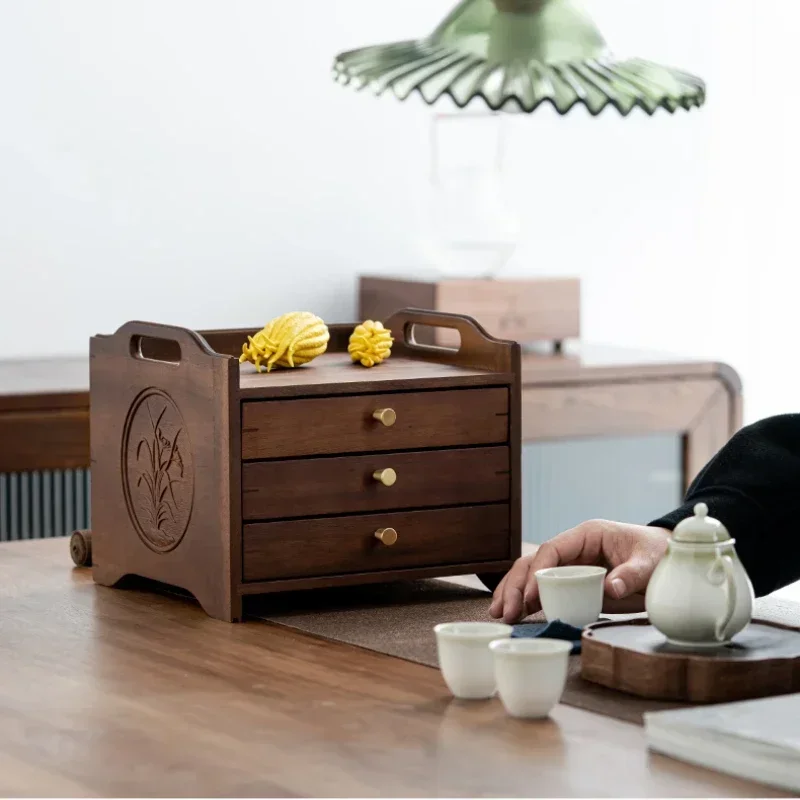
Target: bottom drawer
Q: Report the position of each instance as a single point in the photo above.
(312, 548)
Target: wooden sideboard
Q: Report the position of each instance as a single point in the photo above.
(593, 391)
(581, 392)
(44, 414)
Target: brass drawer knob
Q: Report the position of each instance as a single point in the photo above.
(387, 476)
(386, 416)
(387, 536)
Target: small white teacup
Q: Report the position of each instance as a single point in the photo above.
(531, 674)
(573, 595)
(465, 658)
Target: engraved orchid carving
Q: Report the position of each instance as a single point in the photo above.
(161, 468)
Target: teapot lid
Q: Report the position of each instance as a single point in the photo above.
(700, 529)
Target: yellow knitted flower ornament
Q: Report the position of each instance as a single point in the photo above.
(287, 341)
(370, 343)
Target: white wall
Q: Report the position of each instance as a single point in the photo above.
(191, 161)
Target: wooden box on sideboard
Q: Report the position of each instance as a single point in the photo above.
(224, 482)
(534, 310)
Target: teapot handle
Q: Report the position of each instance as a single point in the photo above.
(723, 567)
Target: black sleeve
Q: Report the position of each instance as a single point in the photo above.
(753, 487)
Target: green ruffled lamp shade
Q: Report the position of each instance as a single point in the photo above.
(515, 55)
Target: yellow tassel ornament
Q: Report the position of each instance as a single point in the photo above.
(287, 341)
(370, 343)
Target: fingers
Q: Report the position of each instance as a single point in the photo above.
(496, 608)
(580, 545)
(630, 578)
(512, 591)
(508, 601)
(546, 557)
(635, 550)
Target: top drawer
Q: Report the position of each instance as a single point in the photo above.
(332, 425)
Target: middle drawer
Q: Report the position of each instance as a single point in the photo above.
(377, 482)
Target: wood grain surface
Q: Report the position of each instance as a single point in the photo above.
(763, 660)
(166, 467)
(118, 693)
(544, 309)
(335, 373)
(306, 427)
(622, 409)
(44, 383)
(318, 486)
(44, 439)
(344, 545)
(547, 309)
(168, 427)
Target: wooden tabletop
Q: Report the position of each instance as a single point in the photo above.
(119, 693)
(580, 362)
(57, 383)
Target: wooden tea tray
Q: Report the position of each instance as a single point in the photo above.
(633, 657)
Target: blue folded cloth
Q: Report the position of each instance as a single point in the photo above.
(549, 630)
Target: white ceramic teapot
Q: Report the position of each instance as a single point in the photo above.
(699, 595)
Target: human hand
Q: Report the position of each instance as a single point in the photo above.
(629, 552)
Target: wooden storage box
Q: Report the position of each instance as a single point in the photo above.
(211, 477)
(523, 310)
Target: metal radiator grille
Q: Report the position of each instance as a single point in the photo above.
(39, 505)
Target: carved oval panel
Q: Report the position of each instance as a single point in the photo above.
(157, 470)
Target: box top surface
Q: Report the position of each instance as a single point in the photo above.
(335, 373)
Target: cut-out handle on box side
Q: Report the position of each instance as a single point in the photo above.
(151, 348)
(164, 344)
(476, 347)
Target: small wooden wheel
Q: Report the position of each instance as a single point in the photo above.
(80, 548)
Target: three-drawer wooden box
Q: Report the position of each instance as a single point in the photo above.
(209, 476)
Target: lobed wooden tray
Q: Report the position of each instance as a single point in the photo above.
(633, 657)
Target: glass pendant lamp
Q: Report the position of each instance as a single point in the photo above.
(469, 224)
(500, 57)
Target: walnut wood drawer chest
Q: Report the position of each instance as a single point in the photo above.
(226, 483)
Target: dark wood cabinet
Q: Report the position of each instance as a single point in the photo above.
(226, 482)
